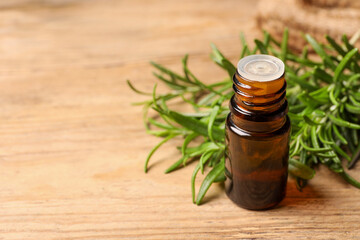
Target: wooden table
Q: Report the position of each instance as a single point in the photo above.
(72, 147)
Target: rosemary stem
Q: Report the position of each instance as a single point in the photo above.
(350, 179)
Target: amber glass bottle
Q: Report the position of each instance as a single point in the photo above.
(257, 134)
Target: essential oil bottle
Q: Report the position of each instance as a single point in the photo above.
(257, 134)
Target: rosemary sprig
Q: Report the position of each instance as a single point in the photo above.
(324, 99)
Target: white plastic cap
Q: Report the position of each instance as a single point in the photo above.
(260, 68)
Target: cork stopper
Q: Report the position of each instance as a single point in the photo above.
(260, 68)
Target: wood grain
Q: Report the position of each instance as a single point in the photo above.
(72, 147)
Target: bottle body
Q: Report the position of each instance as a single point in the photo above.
(256, 166)
(257, 139)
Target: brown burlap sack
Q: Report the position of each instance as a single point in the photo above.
(333, 3)
(316, 17)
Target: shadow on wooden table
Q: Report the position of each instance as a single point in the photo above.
(310, 193)
(293, 197)
(217, 192)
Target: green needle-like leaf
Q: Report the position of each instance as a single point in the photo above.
(197, 126)
(219, 58)
(340, 68)
(314, 149)
(338, 135)
(301, 170)
(187, 140)
(342, 123)
(319, 50)
(212, 118)
(209, 179)
(154, 150)
(284, 45)
(352, 108)
(261, 47)
(136, 90)
(177, 164)
(336, 46)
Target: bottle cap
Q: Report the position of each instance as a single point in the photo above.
(260, 68)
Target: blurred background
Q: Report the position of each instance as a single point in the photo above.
(93, 32)
(72, 146)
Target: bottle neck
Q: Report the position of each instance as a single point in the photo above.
(258, 106)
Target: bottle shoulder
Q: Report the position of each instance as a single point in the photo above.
(283, 130)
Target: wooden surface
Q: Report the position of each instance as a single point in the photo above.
(72, 147)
